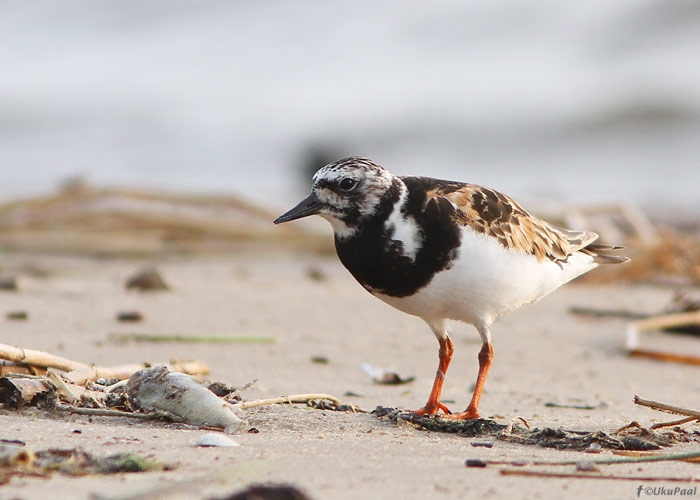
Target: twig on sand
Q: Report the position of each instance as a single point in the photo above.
(673, 423)
(236, 393)
(691, 415)
(191, 339)
(660, 322)
(666, 321)
(693, 456)
(606, 313)
(293, 399)
(588, 475)
(676, 410)
(105, 412)
(587, 468)
(665, 356)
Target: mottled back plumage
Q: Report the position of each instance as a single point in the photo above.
(494, 214)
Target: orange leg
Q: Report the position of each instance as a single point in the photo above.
(472, 411)
(433, 406)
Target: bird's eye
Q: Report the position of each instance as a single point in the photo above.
(347, 184)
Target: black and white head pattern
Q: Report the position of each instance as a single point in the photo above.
(353, 190)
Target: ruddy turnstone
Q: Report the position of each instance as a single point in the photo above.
(444, 250)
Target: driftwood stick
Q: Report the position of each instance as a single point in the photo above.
(39, 358)
(667, 321)
(293, 399)
(80, 373)
(657, 322)
(674, 422)
(676, 410)
(665, 356)
(192, 339)
(685, 457)
(631, 425)
(104, 412)
(588, 475)
(238, 392)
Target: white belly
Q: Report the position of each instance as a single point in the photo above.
(488, 280)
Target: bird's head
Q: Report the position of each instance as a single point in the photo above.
(347, 193)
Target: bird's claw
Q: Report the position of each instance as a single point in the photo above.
(432, 408)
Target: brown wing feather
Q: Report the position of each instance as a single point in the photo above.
(497, 215)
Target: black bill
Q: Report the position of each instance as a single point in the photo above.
(308, 206)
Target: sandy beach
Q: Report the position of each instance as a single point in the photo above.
(304, 307)
(170, 136)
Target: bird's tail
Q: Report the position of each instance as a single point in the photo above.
(602, 254)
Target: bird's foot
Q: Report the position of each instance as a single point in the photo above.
(433, 408)
(462, 415)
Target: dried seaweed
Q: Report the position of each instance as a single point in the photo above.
(628, 438)
(77, 462)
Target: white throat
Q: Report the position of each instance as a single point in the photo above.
(340, 229)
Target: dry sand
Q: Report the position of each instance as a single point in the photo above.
(312, 307)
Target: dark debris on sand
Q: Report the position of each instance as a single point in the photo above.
(629, 438)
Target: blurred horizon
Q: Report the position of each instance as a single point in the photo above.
(582, 102)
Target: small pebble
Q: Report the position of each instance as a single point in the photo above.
(147, 279)
(586, 466)
(106, 381)
(321, 360)
(475, 462)
(315, 274)
(594, 448)
(18, 315)
(129, 316)
(482, 444)
(215, 439)
(8, 282)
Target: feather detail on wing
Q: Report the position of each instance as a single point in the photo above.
(497, 215)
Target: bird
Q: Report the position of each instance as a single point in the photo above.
(445, 251)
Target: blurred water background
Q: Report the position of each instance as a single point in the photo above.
(584, 101)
